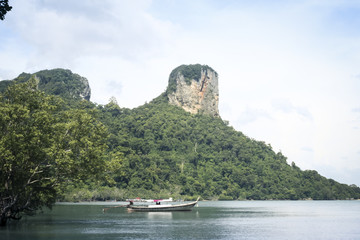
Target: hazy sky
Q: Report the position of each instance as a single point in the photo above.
(289, 71)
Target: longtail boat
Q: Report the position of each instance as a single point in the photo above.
(162, 207)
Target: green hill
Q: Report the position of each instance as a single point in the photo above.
(59, 82)
(162, 150)
(164, 147)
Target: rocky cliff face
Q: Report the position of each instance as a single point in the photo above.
(195, 89)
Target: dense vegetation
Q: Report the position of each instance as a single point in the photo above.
(58, 82)
(166, 148)
(53, 148)
(43, 146)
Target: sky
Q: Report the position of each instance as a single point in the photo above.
(288, 71)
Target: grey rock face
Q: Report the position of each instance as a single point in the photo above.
(85, 92)
(195, 89)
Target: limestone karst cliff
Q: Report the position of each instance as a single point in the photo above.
(195, 89)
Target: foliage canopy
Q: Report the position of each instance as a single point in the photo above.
(4, 8)
(43, 145)
(59, 82)
(165, 147)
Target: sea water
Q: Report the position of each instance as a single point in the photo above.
(209, 220)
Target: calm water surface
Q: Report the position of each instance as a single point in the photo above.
(210, 220)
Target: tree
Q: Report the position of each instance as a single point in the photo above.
(4, 8)
(43, 146)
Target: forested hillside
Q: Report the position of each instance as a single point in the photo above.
(159, 150)
(164, 147)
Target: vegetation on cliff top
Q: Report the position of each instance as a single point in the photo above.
(190, 72)
(59, 82)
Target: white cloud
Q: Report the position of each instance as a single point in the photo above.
(287, 107)
(251, 115)
(59, 32)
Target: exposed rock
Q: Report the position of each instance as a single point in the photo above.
(195, 89)
(85, 92)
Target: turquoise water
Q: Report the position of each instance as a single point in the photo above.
(210, 220)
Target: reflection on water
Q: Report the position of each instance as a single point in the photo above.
(211, 220)
(159, 215)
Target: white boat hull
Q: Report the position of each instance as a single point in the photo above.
(163, 208)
